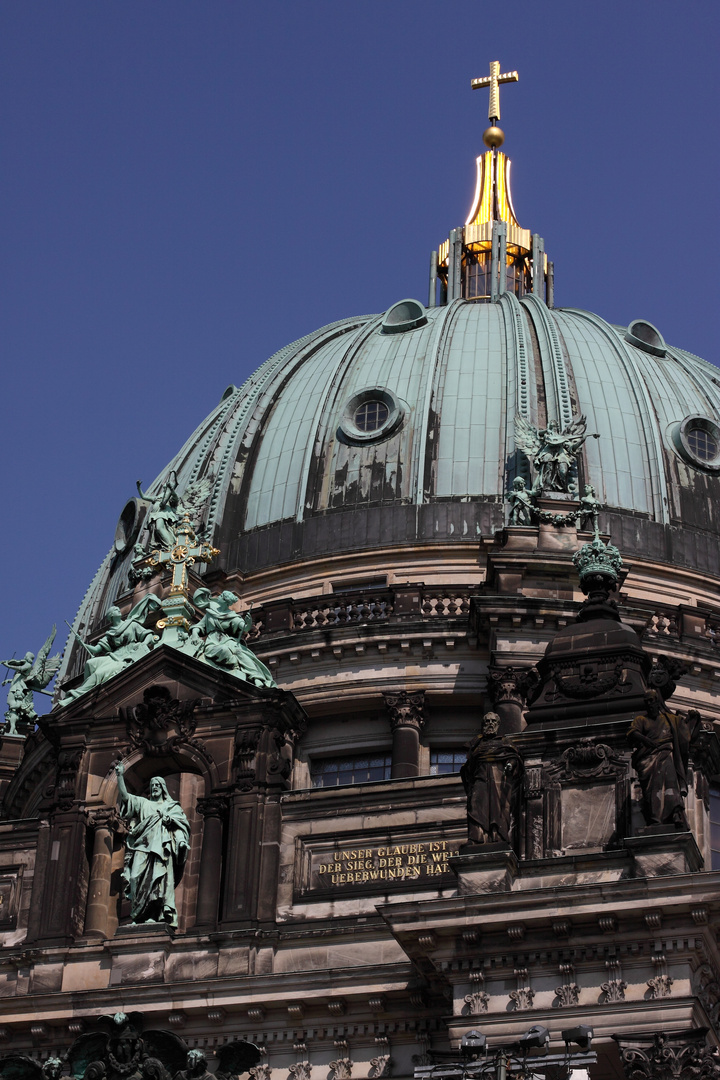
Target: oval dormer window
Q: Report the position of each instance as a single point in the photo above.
(643, 335)
(371, 415)
(405, 315)
(697, 441)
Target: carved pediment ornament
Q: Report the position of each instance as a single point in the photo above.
(591, 679)
(706, 986)
(583, 760)
(66, 774)
(665, 673)
(160, 722)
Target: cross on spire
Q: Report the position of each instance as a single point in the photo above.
(493, 80)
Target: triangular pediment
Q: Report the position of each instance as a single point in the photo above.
(185, 677)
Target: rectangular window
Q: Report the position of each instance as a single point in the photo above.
(333, 772)
(446, 761)
(715, 827)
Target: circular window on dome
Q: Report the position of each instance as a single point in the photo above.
(371, 415)
(643, 335)
(405, 315)
(128, 525)
(697, 441)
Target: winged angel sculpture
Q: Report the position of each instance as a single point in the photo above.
(553, 452)
(32, 675)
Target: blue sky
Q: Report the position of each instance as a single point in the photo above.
(187, 186)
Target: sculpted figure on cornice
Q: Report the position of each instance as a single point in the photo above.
(31, 675)
(168, 508)
(662, 741)
(125, 641)
(522, 507)
(553, 452)
(155, 850)
(218, 638)
(491, 777)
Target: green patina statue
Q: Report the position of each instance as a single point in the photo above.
(522, 507)
(125, 641)
(168, 509)
(553, 452)
(589, 509)
(166, 512)
(31, 675)
(217, 638)
(155, 850)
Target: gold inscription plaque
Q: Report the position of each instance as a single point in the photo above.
(385, 862)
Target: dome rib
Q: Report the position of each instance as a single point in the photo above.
(645, 412)
(552, 358)
(423, 457)
(304, 496)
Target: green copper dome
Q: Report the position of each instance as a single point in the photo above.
(354, 438)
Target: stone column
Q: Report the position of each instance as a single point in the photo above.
(104, 822)
(508, 689)
(406, 713)
(213, 810)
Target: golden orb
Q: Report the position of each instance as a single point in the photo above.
(493, 137)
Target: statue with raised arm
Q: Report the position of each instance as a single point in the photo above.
(31, 675)
(217, 638)
(155, 850)
(166, 511)
(553, 452)
(124, 642)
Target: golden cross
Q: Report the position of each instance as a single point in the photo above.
(493, 80)
(185, 551)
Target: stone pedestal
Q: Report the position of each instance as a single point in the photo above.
(658, 851)
(553, 537)
(482, 868)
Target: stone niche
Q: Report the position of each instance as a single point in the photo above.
(586, 796)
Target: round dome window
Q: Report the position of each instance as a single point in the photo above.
(371, 415)
(128, 525)
(697, 441)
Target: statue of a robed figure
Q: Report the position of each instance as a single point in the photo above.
(491, 777)
(155, 850)
(662, 741)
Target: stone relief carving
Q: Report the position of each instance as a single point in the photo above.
(664, 1056)
(160, 722)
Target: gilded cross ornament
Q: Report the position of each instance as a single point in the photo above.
(493, 80)
(179, 557)
(185, 551)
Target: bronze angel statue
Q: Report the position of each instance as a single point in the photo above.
(31, 675)
(553, 452)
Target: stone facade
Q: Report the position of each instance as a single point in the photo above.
(351, 930)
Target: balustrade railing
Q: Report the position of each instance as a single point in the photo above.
(377, 605)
